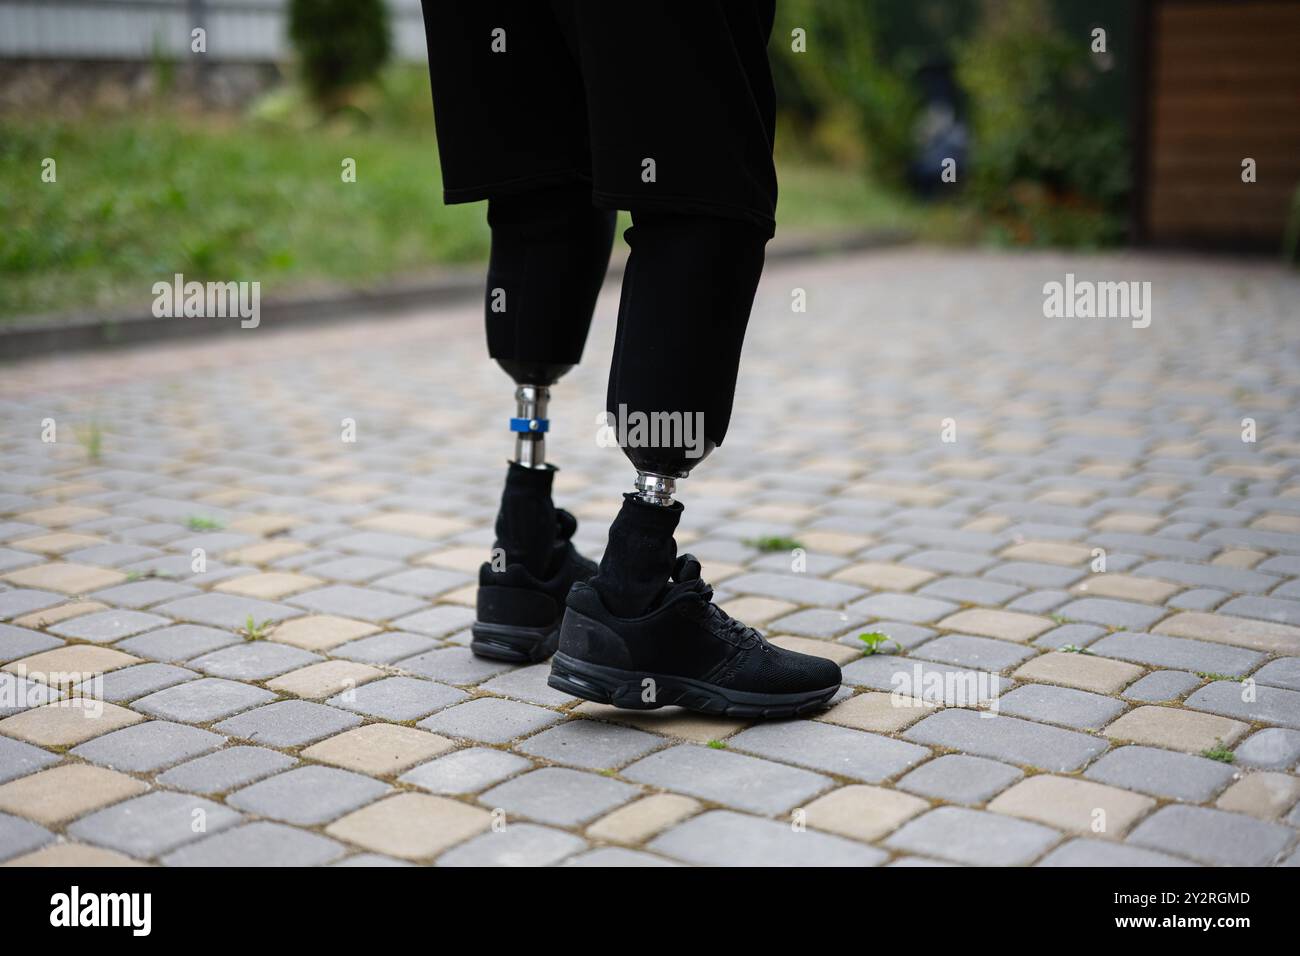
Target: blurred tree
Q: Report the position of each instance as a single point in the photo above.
(340, 44)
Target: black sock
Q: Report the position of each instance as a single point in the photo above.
(525, 525)
(639, 557)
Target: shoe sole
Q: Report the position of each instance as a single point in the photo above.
(626, 689)
(518, 645)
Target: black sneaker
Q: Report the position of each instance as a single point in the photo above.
(518, 613)
(685, 650)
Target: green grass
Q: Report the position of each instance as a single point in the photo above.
(260, 198)
(1220, 753)
(873, 643)
(202, 523)
(772, 544)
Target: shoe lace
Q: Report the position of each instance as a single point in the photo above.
(716, 618)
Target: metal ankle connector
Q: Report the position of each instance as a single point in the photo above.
(530, 425)
(655, 489)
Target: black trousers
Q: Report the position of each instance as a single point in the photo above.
(558, 113)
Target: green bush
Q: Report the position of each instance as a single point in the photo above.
(340, 44)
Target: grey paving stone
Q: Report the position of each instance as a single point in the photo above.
(138, 594)
(452, 665)
(11, 560)
(816, 622)
(381, 545)
(20, 693)
(203, 700)
(528, 683)
(1039, 602)
(1197, 599)
(308, 795)
(437, 621)
(1152, 545)
(903, 607)
(800, 588)
(1272, 748)
(591, 744)
(817, 565)
(1066, 706)
(918, 678)
(958, 778)
(830, 748)
(147, 747)
(465, 771)
(254, 660)
(1109, 612)
(1272, 705)
(1213, 836)
(732, 779)
(1077, 635)
(398, 698)
(1161, 773)
(971, 591)
(905, 635)
(18, 759)
(366, 604)
(1281, 672)
(724, 838)
(153, 824)
(519, 844)
(1106, 853)
(104, 627)
(490, 720)
(138, 680)
(423, 582)
(1032, 574)
(226, 610)
(980, 653)
(973, 836)
(948, 562)
(20, 601)
(258, 844)
(1217, 576)
(1161, 686)
(288, 723)
(606, 856)
(559, 796)
(354, 570)
(19, 642)
(1007, 738)
(1265, 609)
(111, 555)
(225, 770)
(1180, 653)
(371, 860)
(385, 647)
(19, 836)
(179, 643)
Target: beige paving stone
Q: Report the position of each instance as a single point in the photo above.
(920, 496)
(70, 489)
(832, 542)
(268, 586)
(1077, 806)
(737, 490)
(831, 650)
(59, 725)
(883, 577)
(227, 497)
(56, 543)
(73, 855)
(987, 524)
(414, 525)
(1108, 472)
(878, 711)
(1262, 472)
(862, 812)
(1128, 523)
(1163, 490)
(1263, 795)
(717, 571)
(1127, 587)
(264, 525)
(1179, 449)
(1004, 625)
(1084, 671)
(1012, 443)
(411, 826)
(668, 721)
(62, 612)
(65, 577)
(380, 750)
(965, 468)
(60, 516)
(321, 632)
(1239, 558)
(316, 681)
(353, 492)
(65, 792)
(456, 559)
(1049, 552)
(782, 514)
(1264, 636)
(264, 552)
(467, 596)
(639, 821)
(1070, 497)
(1284, 524)
(1175, 728)
(85, 659)
(756, 610)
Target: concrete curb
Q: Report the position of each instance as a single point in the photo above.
(28, 338)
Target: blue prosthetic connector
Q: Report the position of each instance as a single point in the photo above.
(530, 424)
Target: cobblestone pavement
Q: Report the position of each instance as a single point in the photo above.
(1145, 714)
